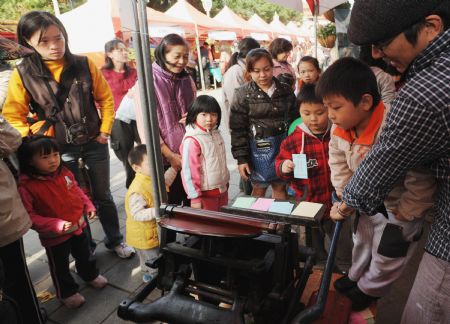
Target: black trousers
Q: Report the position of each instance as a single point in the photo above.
(176, 194)
(58, 261)
(123, 137)
(18, 284)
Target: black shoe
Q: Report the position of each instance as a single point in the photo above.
(344, 284)
(359, 299)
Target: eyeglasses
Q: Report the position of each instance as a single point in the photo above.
(381, 45)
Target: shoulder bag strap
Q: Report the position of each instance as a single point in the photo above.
(51, 120)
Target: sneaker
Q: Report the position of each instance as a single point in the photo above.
(74, 301)
(344, 284)
(99, 282)
(147, 277)
(124, 251)
(359, 299)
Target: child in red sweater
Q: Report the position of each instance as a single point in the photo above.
(311, 138)
(56, 205)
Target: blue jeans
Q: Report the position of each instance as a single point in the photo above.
(96, 158)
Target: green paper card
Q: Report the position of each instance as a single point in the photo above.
(244, 202)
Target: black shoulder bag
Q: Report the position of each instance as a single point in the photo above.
(76, 133)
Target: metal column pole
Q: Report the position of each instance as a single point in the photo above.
(316, 13)
(199, 57)
(148, 103)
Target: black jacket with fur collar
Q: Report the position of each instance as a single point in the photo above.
(255, 115)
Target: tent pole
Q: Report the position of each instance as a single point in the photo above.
(147, 94)
(316, 13)
(199, 57)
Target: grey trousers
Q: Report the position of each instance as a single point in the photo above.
(145, 255)
(345, 243)
(377, 260)
(429, 299)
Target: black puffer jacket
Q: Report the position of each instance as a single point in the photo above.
(255, 115)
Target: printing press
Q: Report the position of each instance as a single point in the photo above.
(241, 266)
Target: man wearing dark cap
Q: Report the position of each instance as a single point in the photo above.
(414, 36)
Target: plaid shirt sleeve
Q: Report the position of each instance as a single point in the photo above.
(417, 131)
(413, 134)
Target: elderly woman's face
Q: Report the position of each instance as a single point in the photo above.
(176, 58)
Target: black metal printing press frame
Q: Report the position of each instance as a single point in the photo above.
(217, 267)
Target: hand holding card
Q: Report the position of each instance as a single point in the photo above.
(300, 169)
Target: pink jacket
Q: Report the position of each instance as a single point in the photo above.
(53, 200)
(204, 168)
(285, 67)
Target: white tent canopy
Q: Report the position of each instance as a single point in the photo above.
(90, 32)
(279, 28)
(227, 16)
(258, 22)
(183, 10)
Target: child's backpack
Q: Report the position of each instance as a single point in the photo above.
(9, 311)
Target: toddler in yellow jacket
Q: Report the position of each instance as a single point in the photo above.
(141, 227)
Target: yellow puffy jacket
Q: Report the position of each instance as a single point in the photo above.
(141, 235)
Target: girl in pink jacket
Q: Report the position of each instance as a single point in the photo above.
(204, 169)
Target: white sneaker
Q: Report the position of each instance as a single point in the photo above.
(124, 251)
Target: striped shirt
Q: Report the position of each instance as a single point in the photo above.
(417, 132)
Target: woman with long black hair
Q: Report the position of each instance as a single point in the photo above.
(66, 92)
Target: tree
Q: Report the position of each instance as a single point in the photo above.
(13, 9)
(163, 5)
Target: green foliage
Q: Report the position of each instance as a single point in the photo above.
(13, 9)
(163, 5)
(327, 30)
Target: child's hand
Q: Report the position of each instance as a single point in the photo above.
(196, 205)
(92, 214)
(287, 166)
(244, 171)
(66, 226)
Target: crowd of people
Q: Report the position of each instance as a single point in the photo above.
(374, 150)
